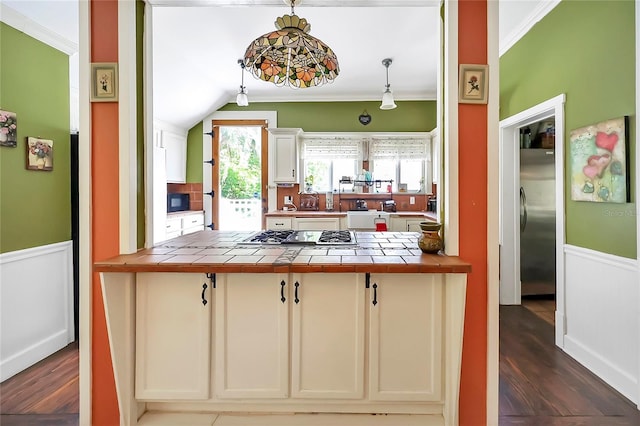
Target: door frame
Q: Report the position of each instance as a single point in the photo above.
(264, 161)
(510, 289)
(271, 118)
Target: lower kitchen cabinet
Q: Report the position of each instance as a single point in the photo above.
(252, 336)
(404, 224)
(173, 336)
(328, 336)
(405, 337)
(318, 224)
(256, 312)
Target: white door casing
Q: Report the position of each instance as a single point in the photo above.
(509, 204)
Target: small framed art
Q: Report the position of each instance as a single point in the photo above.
(474, 82)
(39, 154)
(104, 82)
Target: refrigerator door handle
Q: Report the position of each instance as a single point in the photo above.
(523, 210)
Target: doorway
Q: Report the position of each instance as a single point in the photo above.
(513, 206)
(240, 153)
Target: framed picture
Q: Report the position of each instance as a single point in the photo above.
(104, 82)
(8, 129)
(599, 156)
(474, 82)
(39, 154)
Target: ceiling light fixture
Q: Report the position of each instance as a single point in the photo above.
(242, 99)
(290, 56)
(387, 96)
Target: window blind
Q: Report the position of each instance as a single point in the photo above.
(402, 149)
(329, 149)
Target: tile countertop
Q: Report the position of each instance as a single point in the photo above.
(224, 252)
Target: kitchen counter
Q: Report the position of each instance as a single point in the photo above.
(224, 251)
(321, 213)
(205, 324)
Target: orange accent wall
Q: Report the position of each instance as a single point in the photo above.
(472, 170)
(104, 207)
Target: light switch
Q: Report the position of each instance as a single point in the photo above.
(412, 200)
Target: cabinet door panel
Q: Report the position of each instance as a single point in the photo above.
(328, 336)
(252, 346)
(405, 345)
(322, 224)
(173, 336)
(286, 167)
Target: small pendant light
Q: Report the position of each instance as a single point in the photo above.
(387, 96)
(242, 99)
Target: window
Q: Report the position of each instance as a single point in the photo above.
(403, 161)
(327, 160)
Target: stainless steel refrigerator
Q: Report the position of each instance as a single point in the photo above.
(537, 222)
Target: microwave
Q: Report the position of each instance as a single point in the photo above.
(177, 202)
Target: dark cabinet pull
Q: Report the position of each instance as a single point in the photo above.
(293, 172)
(204, 288)
(297, 284)
(375, 294)
(282, 298)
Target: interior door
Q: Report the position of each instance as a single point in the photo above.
(240, 173)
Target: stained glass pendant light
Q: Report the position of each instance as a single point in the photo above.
(290, 56)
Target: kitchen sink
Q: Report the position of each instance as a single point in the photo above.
(366, 220)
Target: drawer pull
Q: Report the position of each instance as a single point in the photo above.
(297, 284)
(204, 288)
(375, 294)
(282, 298)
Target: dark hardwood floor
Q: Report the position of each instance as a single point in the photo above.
(44, 394)
(539, 384)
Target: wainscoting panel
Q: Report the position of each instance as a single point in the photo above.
(36, 305)
(601, 312)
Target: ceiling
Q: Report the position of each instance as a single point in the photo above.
(197, 44)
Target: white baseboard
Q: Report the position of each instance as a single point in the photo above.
(601, 317)
(623, 382)
(36, 305)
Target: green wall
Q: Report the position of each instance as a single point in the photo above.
(586, 50)
(410, 116)
(35, 206)
(194, 154)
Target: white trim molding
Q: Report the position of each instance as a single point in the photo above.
(127, 123)
(540, 11)
(601, 293)
(637, 196)
(85, 195)
(493, 215)
(36, 299)
(510, 207)
(33, 29)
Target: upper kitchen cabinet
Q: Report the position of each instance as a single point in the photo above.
(176, 156)
(285, 158)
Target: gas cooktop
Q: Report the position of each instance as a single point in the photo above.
(302, 237)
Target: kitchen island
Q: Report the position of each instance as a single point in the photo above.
(206, 324)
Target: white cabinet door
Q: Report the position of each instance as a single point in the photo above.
(405, 337)
(413, 225)
(173, 336)
(252, 329)
(275, 223)
(192, 222)
(176, 147)
(285, 155)
(309, 223)
(327, 336)
(173, 228)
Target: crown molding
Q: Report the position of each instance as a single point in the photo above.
(31, 28)
(305, 3)
(534, 17)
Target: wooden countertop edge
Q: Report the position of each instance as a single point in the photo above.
(459, 268)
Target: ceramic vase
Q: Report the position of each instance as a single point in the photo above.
(430, 241)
